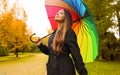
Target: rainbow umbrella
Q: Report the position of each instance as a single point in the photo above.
(83, 25)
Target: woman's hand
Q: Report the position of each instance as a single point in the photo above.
(38, 41)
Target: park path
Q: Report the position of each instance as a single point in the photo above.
(34, 65)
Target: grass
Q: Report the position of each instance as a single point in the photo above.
(12, 56)
(103, 68)
(35, 64)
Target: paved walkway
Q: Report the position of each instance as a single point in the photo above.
(34, 65)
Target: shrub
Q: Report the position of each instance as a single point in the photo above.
(4, 51)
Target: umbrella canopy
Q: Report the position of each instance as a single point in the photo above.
(83, 25)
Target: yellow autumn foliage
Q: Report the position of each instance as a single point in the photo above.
(13, 31)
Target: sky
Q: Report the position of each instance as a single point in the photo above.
(37, 16)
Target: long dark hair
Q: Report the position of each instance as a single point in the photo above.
(58, 41)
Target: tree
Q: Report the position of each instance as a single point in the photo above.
(13, 31)
(102, 11)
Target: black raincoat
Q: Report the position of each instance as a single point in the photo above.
(66, 62)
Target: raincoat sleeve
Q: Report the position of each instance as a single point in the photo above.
(44, 49)
(71, 41)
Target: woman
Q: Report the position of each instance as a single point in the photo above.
(61, 44)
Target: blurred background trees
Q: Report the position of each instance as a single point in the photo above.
(107, 15)
(14, 36)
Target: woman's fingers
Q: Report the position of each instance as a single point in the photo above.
(38, 41)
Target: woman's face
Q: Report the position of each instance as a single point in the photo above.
(60, 16)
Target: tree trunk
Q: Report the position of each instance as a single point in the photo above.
(16, 52)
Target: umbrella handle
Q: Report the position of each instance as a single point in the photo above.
(31, 38)
(40, 38)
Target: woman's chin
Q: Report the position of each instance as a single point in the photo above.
(56, 20)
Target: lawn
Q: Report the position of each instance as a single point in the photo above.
(103, 68)
(13, 57)
(35, 64)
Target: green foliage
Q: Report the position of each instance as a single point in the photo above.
(103, 11)
(4, 51)
(33, 48)
(108, 46)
